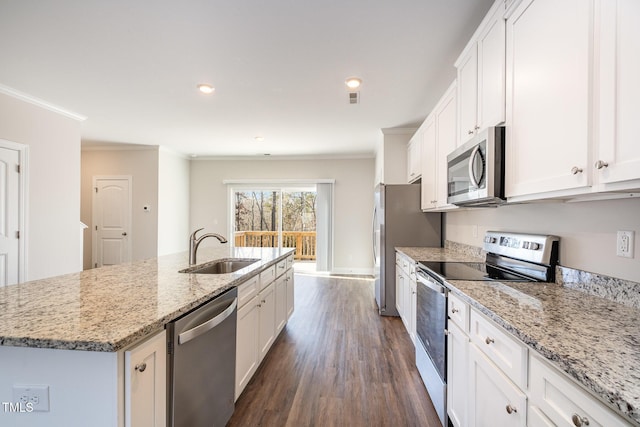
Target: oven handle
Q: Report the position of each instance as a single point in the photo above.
(431, 284)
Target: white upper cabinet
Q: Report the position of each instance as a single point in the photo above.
(548, 96)
(617, 156)
(414, 149)
(481, 77)
(439, 140)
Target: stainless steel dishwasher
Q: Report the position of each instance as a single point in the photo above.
(201, 363)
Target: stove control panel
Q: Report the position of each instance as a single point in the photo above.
(536, 248)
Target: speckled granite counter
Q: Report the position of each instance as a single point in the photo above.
(109, 308)
(438, 254)
(595, 341)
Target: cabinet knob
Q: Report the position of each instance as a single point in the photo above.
(489, 340)
(576, 170)
(140, 367)
(600, 164)
(454, 310)
(476, 127)
(511, 409)
(470, 132)
(579, 421)
(124, 233)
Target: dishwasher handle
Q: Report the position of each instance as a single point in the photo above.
(196, 331)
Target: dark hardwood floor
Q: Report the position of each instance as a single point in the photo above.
(337, 363)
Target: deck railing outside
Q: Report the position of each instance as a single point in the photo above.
(303, 241)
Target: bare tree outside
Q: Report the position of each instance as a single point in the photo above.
(257, 220)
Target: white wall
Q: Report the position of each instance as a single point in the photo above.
(142, 165)
(173, 202)
(353, 198)
(587, 231)
(53, 220)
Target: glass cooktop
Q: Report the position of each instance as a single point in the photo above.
(471, 271)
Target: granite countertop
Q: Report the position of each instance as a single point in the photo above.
(595, 341)
(109, 308)
(438, 254)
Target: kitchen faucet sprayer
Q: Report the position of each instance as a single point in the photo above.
(195, 242)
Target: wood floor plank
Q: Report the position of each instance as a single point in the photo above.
(337, 363)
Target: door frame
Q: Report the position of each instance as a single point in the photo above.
(94, 215)
(23, 205)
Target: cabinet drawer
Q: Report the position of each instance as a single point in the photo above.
(248, 290)
(267, 276)
(281, 267)
(565, 402)
(458, 312)
(289, 261)
(503, 350)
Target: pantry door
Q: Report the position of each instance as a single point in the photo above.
(111, 220)
(9, 214)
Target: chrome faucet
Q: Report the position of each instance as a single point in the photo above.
(195, 242)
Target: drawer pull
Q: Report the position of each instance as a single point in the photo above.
(511, 409)
(579, 421)
(454, 310)
(142, 366)
(489, 340)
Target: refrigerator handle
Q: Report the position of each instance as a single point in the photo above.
(373, 232)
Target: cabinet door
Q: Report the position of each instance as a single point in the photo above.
(281, 302)
(619, 147)
(146, 382)
(413, 157)
(247, 349)
(548, 96)
(491, 72)
(467, 96)
(413, 311)
(428, 195)
(457, 379)
(493, 401)
(267, 327)
(445, 143)
(565, 403)
(290, 293)
(399, 279)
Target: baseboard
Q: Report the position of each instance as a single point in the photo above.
(353, 271)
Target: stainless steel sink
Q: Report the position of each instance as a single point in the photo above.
(221, 266)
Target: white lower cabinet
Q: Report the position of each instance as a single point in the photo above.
(558, 401)
(145, 382)
(262, 315)
(457, 366)
(247, 352)
(493, 399)
(493, 380)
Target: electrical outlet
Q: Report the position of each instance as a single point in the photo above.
(625, 244)
(35, 397)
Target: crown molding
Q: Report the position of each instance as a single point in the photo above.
(41, 103)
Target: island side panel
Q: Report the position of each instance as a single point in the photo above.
(83, 386)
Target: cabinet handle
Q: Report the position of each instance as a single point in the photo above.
(454, 310)
(576, 170)
(434, 201)
(489, 340)
(600, 164)
(511, 409)
(140, 367)
(579, 421)
(476, 127)
(469, 132)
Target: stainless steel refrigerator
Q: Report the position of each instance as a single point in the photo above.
(398, 220)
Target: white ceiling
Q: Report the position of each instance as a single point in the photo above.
(278, 67)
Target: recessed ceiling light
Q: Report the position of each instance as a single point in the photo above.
(259, 138)
(353, 82)
(205, 88)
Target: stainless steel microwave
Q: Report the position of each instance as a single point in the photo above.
(475, 170)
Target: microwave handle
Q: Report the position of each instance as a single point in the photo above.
(472, 158)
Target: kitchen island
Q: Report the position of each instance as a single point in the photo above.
(71, 332)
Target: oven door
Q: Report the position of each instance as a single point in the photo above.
(431, 321)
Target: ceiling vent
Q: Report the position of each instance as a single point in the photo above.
(354, 97)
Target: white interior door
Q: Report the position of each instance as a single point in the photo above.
(9, 216)
(111, 220)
